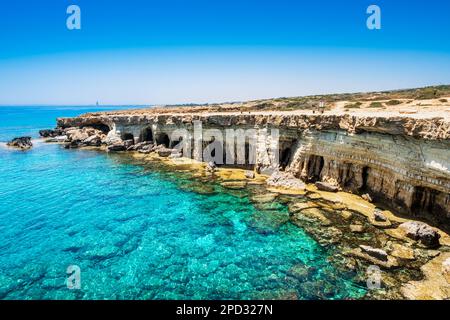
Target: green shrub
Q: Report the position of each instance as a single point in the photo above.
(443, 100)
(393, 102)
(353, 105)
(376, 104)
(427, 93)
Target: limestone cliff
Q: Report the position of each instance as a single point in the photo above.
(399, 160)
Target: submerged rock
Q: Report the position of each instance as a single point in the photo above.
(57, 139)
(23, 143)
(421, 232)
(378, 219)
(324, 186)
(285, 180)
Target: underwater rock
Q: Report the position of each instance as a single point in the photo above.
(50, 133)
(299, 272)
(347, 215)
(267, 222)
(422, 232)
(285, 180)
(128, 143)
(23, 143)
(325, 186)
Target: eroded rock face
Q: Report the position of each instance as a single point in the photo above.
(22, 143)
(401, 161)
(421, 232)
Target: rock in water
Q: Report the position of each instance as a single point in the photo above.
(285, 180)
(422, 232)
(23, 143)
(375, 253)
(324, 186)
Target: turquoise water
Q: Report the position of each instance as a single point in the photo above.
(137, 231)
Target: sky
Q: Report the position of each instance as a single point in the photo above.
(198, 51)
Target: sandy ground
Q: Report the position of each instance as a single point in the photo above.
(418, 109)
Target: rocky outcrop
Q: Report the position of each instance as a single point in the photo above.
(324, 186)
(421, 232)
(50, 133)
(22, 143)
(285, 180)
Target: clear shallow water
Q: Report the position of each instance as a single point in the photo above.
(138, 232)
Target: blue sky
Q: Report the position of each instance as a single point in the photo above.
(176, 51)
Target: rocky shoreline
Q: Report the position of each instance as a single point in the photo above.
(325, 158)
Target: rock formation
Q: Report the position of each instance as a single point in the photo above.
(22, 143)
(401, 161)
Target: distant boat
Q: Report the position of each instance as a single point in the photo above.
(97, 104)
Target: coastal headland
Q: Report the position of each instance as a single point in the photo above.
(384, 156)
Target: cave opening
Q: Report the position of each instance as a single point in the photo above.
(365, 178)
(146, 135)
(315, 165)
(128, 136)
(285, 157)
(98, 126)
(423, 200)
(162, 138)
